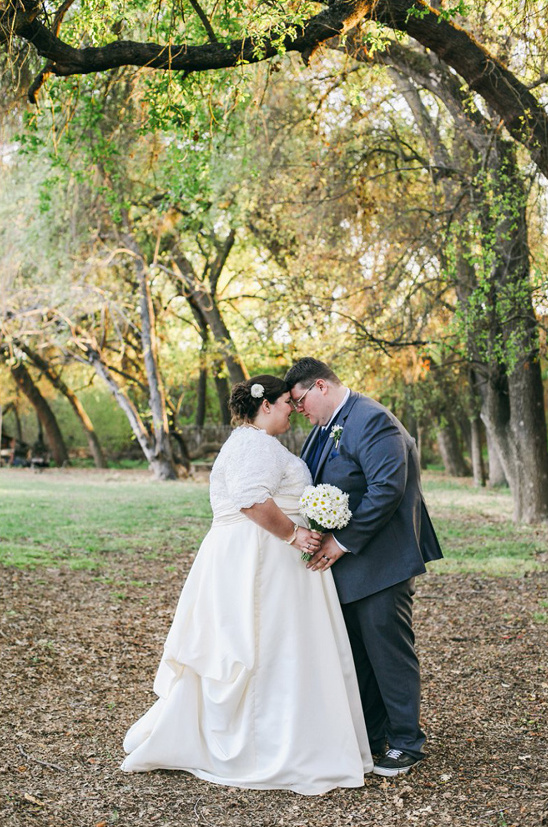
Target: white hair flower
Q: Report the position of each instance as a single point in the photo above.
(257, 391)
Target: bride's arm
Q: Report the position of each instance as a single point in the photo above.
(273, 519)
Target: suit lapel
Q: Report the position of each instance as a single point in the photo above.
(339, 420)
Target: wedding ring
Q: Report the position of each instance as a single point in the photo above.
(326, 558)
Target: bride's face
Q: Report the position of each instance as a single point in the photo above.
(280, 412)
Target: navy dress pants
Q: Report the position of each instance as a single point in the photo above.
(383, 644)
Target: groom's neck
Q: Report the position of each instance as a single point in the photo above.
(336, 397)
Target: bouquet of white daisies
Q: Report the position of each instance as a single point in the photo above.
(325, 507)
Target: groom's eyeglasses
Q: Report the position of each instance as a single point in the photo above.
(298, 402)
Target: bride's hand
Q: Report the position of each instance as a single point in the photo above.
(307, 540)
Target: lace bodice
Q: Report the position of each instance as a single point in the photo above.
(251, 467)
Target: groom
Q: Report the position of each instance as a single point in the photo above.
(360, 446)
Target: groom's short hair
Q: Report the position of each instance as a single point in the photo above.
(307, 370)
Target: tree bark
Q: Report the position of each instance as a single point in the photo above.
(450, 451)
(496, 471)
(11, 406)
(478, 467)
(163, 470)
(502, 342)
(223, 393)
(201, 404)
(199, 419)
(516, 419)
(44, 413)
(86, 423)
(221, 384)
(419, 445)
(204, 301)
(519, 424)
(161, 459)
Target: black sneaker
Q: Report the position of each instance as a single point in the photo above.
(395, 762)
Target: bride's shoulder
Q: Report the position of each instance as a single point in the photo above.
(244, 433)
(244, 437)
(255, 440)
(248, 449)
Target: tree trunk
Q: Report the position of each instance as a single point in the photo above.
(221, 384)
(450, 451)
(199, 419)
(225, 343)
(11, 406)
(44, 413)
(497, 478)
(201, 405)
(478, 467)
(516, 421)
(18, 426)
(419, 445)
(196, 305)
(86, 423)
(223, 393)
(162, 469)
(161, 461)
(502, 339)
(518, 425)
(204, 300)
(181, 454)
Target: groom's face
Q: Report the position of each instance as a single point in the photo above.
(313, 401)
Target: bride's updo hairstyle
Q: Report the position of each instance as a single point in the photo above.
(247, 397)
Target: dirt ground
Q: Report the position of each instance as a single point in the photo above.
(78, 663)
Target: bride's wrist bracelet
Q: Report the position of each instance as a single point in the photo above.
(291, 540)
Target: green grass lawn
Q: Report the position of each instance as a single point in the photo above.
(476, 530)
(77, 519)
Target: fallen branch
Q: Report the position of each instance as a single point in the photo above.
(28, 757)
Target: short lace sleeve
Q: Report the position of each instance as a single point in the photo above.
(254, 465)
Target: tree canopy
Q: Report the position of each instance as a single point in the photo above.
(87, 39)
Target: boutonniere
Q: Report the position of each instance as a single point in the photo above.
(336, 434)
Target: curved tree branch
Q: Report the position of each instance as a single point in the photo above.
(518, 109)
(205, 21)
(46, 72)
(67, 60)
(60, 16)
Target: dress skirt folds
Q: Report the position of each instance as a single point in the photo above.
(256, 687)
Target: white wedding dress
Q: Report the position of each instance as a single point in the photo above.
(256, 686)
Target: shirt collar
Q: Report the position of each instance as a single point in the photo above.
(336, 411)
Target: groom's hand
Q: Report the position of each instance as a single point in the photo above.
(326, 556)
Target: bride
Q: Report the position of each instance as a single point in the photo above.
(256, 687)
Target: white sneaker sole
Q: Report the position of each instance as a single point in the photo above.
(391, 772)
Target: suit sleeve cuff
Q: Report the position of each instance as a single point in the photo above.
(340, 545)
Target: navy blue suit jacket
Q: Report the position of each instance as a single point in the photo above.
(390, 535)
